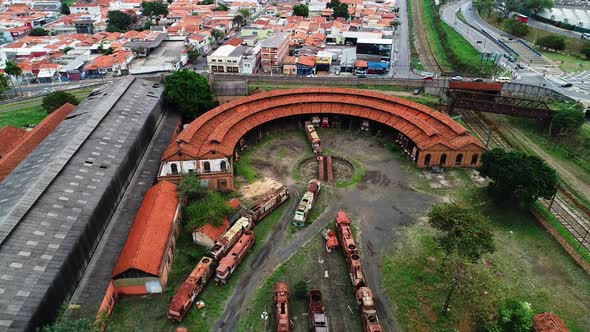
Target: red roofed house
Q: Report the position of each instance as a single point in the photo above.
(9, 137)
(147, 256)
(29, 142)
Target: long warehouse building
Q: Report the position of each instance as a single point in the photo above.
(56, 204)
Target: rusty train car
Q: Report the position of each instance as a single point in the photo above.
(226, 242)
(190, 289)
(318, 321)
(281, 298)
(269, 203)
(313, 137)
(363, 293)
(234, 257)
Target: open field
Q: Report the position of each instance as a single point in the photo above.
(567, 63)
(29, 112)
(528, 265)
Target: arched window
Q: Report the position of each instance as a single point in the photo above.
(459, 159)
(427, 160)
(443, 159)
(174, 169)
(223, 166)
(207, 167)
(474, 159)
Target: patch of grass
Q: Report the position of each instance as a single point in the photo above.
(428, 100)
(23, 117)
(383, 87)
(435, 41)
(567, 63)
(148, 313)
(528, 265)
(415, 63)
(29, 112)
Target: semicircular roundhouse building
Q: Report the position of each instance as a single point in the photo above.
(208, 146)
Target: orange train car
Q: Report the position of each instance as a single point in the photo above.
(226, 242)
(269, 204)
(353, 259)
(366, 304)
(189, 289)
(234, 257)
(281, 298)
(318, 321)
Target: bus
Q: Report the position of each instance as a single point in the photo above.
(522, 18)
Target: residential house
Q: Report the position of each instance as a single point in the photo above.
(274, 50)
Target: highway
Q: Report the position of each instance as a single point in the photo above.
(524, 76)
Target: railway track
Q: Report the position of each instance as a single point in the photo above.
(563, 207)
(422, 45)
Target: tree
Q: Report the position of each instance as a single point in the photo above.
(508, 6)
(516, 316)
(193, 54)
(586, 52)
(210, 210)
(552, 42)
(57, 99)
(222, 8)
(395, 24)
(188, 92)
(484, 7)
(67, 49)
(39, 32)
(245, 13)
(340, 11)
(516, 27)
(155, 8)
(119, 21)
(65, 9)
(191, 189)
(517, 178)
(569, 117)
(301, 10)
(217, 34)
(3, 84)
(464, 237)
(12, 69)
(69, 324)
(536, 6)
(239, 20)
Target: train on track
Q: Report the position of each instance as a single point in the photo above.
(363, 293)
(313, 137)
(306, 204)
(226, 254)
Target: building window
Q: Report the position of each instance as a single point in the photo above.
(220, 69)
(459, 159)
(223, 166)
(474, 159)
(443, 159)
(174, 169)
(207, 167)
(427, 160)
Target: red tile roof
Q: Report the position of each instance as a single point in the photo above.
(549, 322)
(33, 138)
(219, 130)
(9, 137)
(148, 238)
(214, 232)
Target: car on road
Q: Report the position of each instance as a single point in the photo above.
(416, 92)
(585, 35)
(503, 79)
(478, 79)
(428, 78)
(457, 78)
(566, 85)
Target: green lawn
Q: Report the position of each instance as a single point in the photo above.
(29, 112)
(148, 313)
(567, 63)
(527, 265)
(452, 51)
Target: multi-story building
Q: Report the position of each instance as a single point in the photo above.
(226, 59)
(273, 51)
(251, 60)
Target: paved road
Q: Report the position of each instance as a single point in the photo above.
(551, 28)
(526, 76)
(401, 59)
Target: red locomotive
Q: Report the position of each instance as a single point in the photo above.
(269, 203)
(318, 321)
(190, 288)
(234, 257)
(281, 298)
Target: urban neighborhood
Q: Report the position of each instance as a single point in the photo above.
(295, 165)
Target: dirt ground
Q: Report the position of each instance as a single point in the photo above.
(380, 203)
